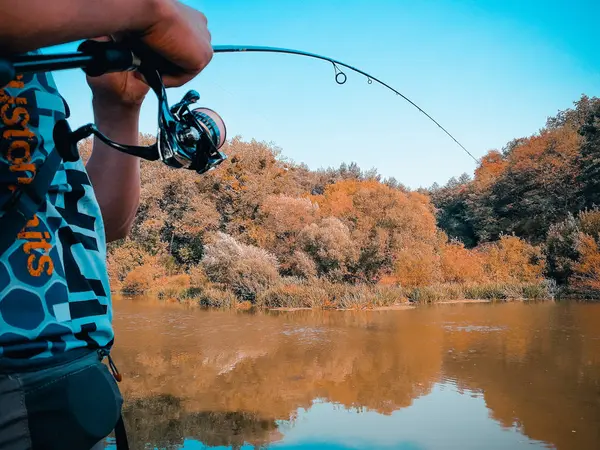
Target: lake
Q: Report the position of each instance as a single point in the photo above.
(463, 376)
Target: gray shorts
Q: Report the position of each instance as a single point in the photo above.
(69, 406)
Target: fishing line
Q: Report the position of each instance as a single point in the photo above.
(340, 76)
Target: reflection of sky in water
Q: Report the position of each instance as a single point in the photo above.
(443, 419)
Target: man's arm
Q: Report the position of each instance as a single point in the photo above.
(175, 31)
(115, 175)
(31, 24)
(27, 25)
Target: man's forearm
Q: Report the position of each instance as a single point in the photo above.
(115, 176)
(27, 25)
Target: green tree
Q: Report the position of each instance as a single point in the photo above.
(589, 160)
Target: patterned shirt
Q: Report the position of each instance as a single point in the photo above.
(54, 290)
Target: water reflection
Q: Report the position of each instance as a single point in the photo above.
(390, 379)
(162, 421)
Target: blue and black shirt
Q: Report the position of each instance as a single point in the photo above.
(54, 290)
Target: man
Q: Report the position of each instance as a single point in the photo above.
(55, 310)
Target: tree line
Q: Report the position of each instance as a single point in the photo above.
(261, 224)
(544, 189)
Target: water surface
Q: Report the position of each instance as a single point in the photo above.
(472, 376)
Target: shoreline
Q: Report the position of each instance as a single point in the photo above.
(398, 307)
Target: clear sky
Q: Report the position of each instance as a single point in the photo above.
(487, 70)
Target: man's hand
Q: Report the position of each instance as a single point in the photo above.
(180, 35)
(176, 32)
(118, 90)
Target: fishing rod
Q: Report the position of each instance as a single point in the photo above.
(340, 76)
(186, 138)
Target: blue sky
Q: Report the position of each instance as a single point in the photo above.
(487, 70)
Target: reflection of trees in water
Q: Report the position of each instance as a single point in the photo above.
(163, 422)
(271, 365)
(538, 366)
(541, 376)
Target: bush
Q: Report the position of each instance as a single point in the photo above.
(175, 286)
(138, 281)
(460, 265)
(301, 265)
(417, 265)
(561, 249)
(513, 260)
(216, 298)
(198, 277)
(564, 245)
(246, 269)
(586, 272)
(589, 222)
(330, 246)
(387, 295)
(122, 259)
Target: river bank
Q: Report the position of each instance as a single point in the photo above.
(320, 294)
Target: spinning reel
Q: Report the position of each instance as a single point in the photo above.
(187, 138)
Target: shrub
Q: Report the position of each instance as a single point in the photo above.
(387, 295)
(460, 265)
(138, 281)
(561, 249)
(330, 245)
(565, 243)
(483, 291)
(245, 268)
(326, 295)
(589, 222)
(435, 293)
(175, 286)
(283, 215)
(216, 298)
(513, 260)
(301, 265)
(198, 277)
(122, 259)
(586, 272)
(417, 265)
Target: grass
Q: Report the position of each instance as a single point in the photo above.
(322, 294)
(485, 291)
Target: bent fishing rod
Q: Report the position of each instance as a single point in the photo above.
(186, 138)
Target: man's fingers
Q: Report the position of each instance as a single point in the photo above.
(102, 39)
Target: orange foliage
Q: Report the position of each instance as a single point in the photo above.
(138, 281)
(490, 168)
(513, 259)
(417, 265)
(367, 204)
(388, 280)
(549, 152)
(285, 215)
(586, 273)
(460, 265)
